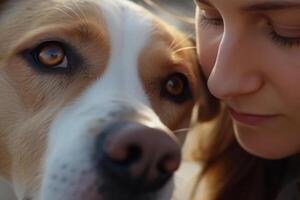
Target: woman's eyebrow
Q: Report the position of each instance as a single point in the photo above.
(269, 6)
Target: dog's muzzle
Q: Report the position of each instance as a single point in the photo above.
(115, 153)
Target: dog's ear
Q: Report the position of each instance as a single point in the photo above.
(208, 106)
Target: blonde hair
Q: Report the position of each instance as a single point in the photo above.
(228, 172)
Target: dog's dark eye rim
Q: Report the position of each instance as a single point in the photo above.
(73, 58)
(180, 98)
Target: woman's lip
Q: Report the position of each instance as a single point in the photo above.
(250, 119)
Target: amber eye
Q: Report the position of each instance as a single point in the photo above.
(176, 88)
(51, 55)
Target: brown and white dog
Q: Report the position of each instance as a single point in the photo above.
(92, 92)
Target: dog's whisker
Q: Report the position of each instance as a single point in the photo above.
(183, 49)
(181, 130)
(177, 44)
(172, 44)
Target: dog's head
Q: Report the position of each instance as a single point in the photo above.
(92, 93)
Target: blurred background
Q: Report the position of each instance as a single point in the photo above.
(179, 13)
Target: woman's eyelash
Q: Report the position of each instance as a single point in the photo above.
(284, 41)
(204, 21)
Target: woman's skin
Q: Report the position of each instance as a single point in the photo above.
(250, 52)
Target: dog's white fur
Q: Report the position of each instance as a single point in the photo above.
(63, 154)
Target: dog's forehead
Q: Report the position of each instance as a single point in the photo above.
(117, 15)
(36, 13)
(127, 24)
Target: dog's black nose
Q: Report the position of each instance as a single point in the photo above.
(137, 156)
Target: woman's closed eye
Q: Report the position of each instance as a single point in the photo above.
(206, 19)
(209, 16)
(288, 36)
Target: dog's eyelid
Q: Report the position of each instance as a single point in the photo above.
(73, 58)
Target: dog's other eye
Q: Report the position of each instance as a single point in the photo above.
(176, 88)
(50, 56)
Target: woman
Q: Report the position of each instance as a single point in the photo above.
(249, 51)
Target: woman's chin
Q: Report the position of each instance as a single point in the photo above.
(264, 145)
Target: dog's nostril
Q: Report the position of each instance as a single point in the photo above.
(168, 165)
(125, 157)
(134, 154)
(138, 156)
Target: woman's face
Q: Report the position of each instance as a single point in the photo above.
(250, 52)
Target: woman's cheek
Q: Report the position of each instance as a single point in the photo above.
(208, 40)
(207, 53)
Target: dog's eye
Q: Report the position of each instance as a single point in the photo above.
(176, 88)
(50, 55)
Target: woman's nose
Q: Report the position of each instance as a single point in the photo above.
(236, 71)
